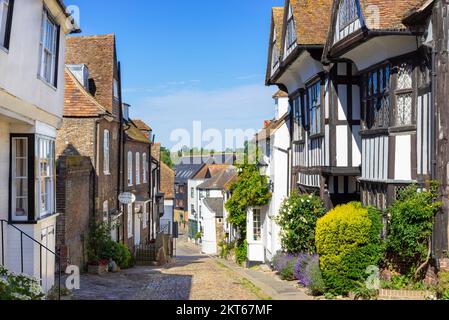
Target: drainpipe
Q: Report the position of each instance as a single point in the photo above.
(96, 166)
(120, 171)
(433, 137)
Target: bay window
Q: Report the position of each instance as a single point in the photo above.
(6, 10)
(403, 115)
(314, 107)
(32, 177)
(376, 98)
(348, 13)
(50, 33)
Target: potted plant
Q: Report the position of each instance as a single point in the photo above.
(100, 248)
(198, 237)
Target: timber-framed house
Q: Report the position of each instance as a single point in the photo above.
(382, 67)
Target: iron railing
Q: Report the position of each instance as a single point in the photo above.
(42, 248)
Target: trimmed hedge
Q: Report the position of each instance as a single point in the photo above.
(348, 241)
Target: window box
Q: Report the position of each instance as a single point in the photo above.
(32, 178)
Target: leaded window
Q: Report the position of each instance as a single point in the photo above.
(257, 225)
(275, 52)
(404, 96)
(348, 13)
(6, 8)
(298, 120)
(291, 33)
(314, 107)
(376, 98)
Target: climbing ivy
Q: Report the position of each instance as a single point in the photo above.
(250, 190)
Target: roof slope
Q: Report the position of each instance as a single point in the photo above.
(77, 101)
(215, 205)
(98, 54)
(167, 182)
(209, 171)
(184, 172)
(141, 125)
(135, 134)
(219, 181)
(278, 21)
(312, 18)
(217, 158)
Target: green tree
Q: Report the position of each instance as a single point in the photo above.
(166, 157)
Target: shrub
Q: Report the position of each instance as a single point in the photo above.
(308, 273)
(121, 255)
(241, 252)
(226, 249)
(19, 287)
(297, 219)
(443, 286)
(411, 224)
(284, 264)
(348, 241)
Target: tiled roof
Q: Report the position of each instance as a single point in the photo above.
(184, 172)
(391, 12)
(98, 54)
(167, 182)
(77, 101)
(217, 158)
(278, 20)
(312, 19)
(215, 205)
(156, 151)
(219, 181)
(141, 125)
(209, 171)
(135, 134)
(280, 94)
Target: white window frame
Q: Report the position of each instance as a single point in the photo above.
(106, 152)
(257, 224)
(130, 169)
(48, 47)
(137, 168)
(145, 168)
(130, 220)
(48, 207)
(15, 177)
(145, 216)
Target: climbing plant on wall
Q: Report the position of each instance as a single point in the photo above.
(250, 190)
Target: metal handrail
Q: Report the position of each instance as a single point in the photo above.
(41, 246)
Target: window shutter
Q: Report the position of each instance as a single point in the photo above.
(9, 24)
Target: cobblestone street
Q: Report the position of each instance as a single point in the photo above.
(192, 277)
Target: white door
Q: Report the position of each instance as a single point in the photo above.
(137, 227)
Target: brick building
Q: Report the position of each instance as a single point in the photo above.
(137, 218)
(90, 131)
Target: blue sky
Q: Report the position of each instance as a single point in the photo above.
(185, 61)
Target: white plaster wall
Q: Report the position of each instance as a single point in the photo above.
(209, 239)
(403, 166)
(20, 64)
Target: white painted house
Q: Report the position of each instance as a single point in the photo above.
(32, 49)
(274, 141)
(211, 211)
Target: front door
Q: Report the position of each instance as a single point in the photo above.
(137, 228)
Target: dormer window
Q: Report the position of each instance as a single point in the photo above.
(275, 52)
(291, 30)
(348, 13)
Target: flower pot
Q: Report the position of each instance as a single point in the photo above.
(97, 269)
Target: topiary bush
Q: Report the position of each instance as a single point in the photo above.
(410, 228)
(348, 241)
(297, 218)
